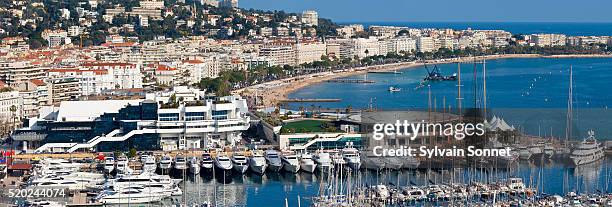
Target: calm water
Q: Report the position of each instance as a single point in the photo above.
(529, 93)
(568, 28)
(273, 189)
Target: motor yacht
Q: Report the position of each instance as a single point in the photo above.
(194, 166)
(290, 162)
(257, 163)
(149, 164)
(307, 164)
(223, 164)
(180, 163)
(165, 164)
(587, 151)
(273, 160)
(351, 157)
(240, 163)
(323, 161)
(207, 162)
(109, 164)
(132, 196)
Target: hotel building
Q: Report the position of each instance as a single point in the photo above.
(181, 119)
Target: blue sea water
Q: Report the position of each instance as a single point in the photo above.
(530, 93)
(568, 28)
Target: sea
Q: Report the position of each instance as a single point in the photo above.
(567, 28)
(531, 94)
(518, 90)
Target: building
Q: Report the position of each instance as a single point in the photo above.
(11, 108)
(35, 94)
(544, 40)
(181, 119)
(364, 47)
(91, 81)
(214, 3)
(56, 38)
(279, 54)
(13, 72)
(402, 44)
(425, 44)
(64, 89)
(151, 4)
(124, 75)
(310, 18)
(316, 141)
(309, 51)
(165, 75)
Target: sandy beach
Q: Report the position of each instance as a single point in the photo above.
(271, 93)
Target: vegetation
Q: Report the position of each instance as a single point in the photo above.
(306, 126)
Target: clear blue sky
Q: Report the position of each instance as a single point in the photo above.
(446, 10)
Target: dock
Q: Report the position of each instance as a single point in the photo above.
(350, 81)
(311, 100)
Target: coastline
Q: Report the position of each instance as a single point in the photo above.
(271, 93)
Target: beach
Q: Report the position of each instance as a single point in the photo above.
(269, 94)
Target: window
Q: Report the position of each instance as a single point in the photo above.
(219, 115)
(168, 116)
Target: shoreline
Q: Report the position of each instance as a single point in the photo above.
(271, 93)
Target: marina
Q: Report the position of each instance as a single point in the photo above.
(345, 182)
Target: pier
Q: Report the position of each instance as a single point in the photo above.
(311, 100)
(350, 81)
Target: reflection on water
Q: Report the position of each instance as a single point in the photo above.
(274, 188)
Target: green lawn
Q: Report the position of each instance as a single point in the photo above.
(308, 125)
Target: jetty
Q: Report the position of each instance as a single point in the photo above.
(311, 100)
(350, 81)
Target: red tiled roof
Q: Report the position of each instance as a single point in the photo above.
(193, 61)
(37, 82)
(164, 68)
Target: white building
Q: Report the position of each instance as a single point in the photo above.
(124, 75)
(402, 44)
(310, 18)
(310, 51)
(364, 47)
(425, 44)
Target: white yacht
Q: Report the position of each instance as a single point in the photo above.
(207, 162)
(307, 164)
(194, 166)
(142, 180)
(223, 164)
(60, 183)
(323, 161)
(109, 164)
(587, 151)
(524, 153)
(149, 164)
(516, 185)
(257, 163)
(123, 167)
(273, 160)
(537, 151)
(180, 163)
(240, 163)
(338, 159)
(165, 164)
(132, 196)
(549, 151)
(351, 157)
(290, 162)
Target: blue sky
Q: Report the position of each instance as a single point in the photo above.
(446, 10)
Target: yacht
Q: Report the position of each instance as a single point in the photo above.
(123, 167)
(194, 166)
(142, 180)
(351, 157)
(240, 163)
(307, 164)
(180, 163)
(549, 151)
(59, 183)
(109, 164)
(223, 164)
(323, 161)
(132, 196)
(587, 151)
(337, 159)
(207, 162)
(165, 163)
(257, 163)
(290, 162)
(524, 153)
(149, 164)
(394, 89)
(537, 151)
(273, 160)
(516, 185)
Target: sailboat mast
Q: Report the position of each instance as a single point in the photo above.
(484, 87)
(459, 99)
(568, 124)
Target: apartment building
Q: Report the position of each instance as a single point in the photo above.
(310, 18)
(280, 54)
(124, 75)
(35, 94)
(309, 51)
(425, 44)
(16, 71)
